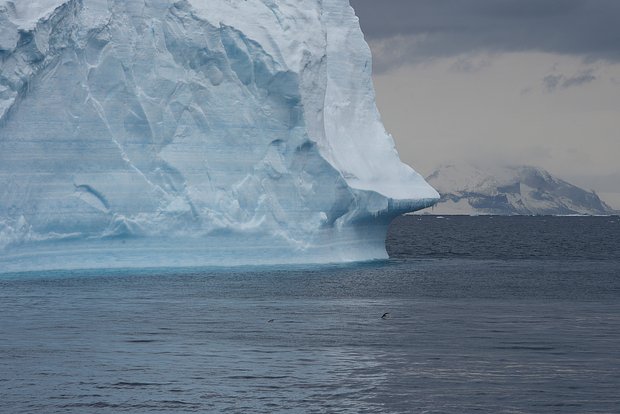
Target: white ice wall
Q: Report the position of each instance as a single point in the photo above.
(193, 123)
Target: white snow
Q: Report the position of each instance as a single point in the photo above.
(222, 131)
(26, 13)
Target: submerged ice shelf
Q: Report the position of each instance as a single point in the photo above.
(181, 133)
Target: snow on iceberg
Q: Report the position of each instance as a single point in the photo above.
(192, 132)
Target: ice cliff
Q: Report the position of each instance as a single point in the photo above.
(192, 132)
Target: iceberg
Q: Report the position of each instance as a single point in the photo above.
(148, 133)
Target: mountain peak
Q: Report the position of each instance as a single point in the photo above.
(510, 190)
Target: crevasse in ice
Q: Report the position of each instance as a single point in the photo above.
(192, 132)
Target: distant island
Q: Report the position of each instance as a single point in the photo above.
(516, 190)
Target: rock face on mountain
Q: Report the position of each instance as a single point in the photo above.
(190, 132)
(523, 190)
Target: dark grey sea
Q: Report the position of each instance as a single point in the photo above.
(483, 314)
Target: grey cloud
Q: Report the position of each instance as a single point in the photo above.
(603, 182)
(555, 81)
(469, 65)
(580, 79)
(551, 82)
(587, 28)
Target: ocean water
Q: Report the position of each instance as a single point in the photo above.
(486, 314)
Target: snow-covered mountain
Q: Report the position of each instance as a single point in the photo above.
(525, 190)
(192, 132)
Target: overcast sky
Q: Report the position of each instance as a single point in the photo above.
(514, 81)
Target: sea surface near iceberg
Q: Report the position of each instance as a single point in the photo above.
(486, 314)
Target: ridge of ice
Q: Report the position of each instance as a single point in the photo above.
(208, 129)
